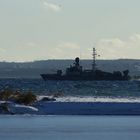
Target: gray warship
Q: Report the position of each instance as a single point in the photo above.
(76, 73)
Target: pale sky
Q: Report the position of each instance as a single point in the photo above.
(63, 29)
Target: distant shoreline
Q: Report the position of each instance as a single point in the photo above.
(34, 69)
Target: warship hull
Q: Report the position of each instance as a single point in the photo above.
(52, 77)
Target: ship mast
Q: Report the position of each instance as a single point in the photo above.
(94, 59)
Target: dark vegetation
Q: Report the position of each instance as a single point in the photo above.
(27, 98)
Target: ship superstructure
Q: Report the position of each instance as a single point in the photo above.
(76, 73)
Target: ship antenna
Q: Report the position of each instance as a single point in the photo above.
(94, 59)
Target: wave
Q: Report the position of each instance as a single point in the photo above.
(93, 99)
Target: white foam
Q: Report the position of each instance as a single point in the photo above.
(40, 97)
(29, 107)
(92, 99)
(2, 102)
(97, 99)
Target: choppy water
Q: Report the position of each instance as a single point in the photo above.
(69, 127)
(73, 127)
(68, 88)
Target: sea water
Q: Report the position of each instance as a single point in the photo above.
(69, 127)
(73, 127)
(122, 89)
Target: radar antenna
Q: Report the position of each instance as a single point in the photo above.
(94, 59)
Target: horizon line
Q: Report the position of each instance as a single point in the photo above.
(57, 59)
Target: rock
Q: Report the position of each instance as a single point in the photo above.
(4, 109)
(48, 99)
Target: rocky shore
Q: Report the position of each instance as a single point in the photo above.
(15, 103)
